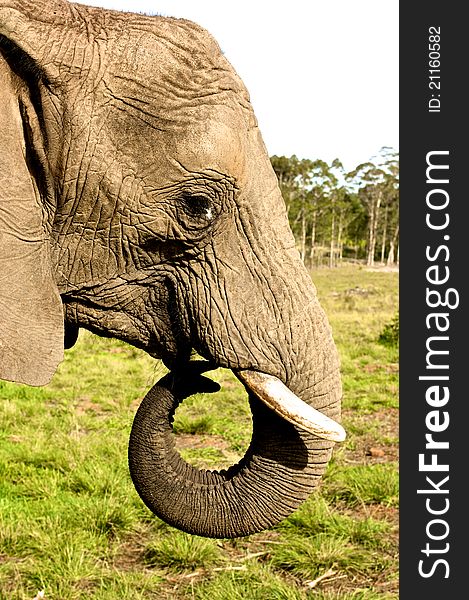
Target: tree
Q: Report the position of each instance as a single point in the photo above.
(378, 185)
(330, 209)
(286, 170)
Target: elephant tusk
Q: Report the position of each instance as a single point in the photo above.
(285, 403)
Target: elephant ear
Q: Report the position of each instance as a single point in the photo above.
(31, 314)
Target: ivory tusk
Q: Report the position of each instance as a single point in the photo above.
(285, 403)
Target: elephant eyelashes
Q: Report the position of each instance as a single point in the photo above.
(196, 211)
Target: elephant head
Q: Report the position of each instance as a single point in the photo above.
(137, 200)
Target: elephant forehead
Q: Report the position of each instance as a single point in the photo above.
(177, 90)
(214, 145)
(176, 66)
(162, 151)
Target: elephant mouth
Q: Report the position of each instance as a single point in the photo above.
(267, 388)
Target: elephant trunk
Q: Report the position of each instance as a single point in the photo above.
(282, 466)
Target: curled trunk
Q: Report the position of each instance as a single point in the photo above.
(282, 465)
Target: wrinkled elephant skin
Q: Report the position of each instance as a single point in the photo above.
(137, 200)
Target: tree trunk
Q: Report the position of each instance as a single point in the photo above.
(303, 234)
(384, 240)
(340, 228)
(331, 246)
(372, 229)
(390, 259)
(392, 246)
(313, 238)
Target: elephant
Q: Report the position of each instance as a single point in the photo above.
(138, 201)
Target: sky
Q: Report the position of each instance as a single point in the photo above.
(322, 74)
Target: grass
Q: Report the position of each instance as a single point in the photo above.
(72, 525)
(363, 484)
(181, 552)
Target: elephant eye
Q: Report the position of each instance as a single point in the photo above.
(196, 211)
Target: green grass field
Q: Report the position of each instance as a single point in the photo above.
(73, 527)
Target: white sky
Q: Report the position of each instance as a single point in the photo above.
(322, 74)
